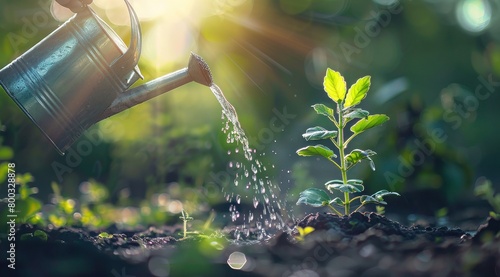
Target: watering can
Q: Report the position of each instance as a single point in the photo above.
(81, 73)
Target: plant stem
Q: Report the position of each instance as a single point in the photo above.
(335, 210)
(185, 229)
(342, 156)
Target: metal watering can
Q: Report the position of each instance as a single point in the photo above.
(80, 74)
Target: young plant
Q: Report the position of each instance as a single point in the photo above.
(185, 218)
(485, 190)
(346, 112)
(303, 232)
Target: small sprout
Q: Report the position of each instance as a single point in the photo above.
(303, 232)
(37, 235)
(185, 218)
(41, 235)
(485, 190)
(345, 100)
(380, 209)
(104, 235)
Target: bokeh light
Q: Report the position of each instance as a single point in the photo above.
(474, 15)
(237, 260)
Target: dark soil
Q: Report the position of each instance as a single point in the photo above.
(361, 245)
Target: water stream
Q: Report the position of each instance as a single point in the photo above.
(251, 173)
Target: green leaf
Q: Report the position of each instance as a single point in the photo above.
(369, 122)
(357, 155)
(357, 92)
(317, 133)
(377, 198)
(337, 201)
(356, 113)
(367, 199)
(334, 85)
(41, 235)
(381, 193)
(352, 186)
(27, 208)
(314, 197)
(323, 110)
(316, 150)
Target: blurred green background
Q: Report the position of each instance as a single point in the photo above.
(435, 68)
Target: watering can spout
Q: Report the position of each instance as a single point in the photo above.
(197, 71)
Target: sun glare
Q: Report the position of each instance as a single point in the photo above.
(171, 25)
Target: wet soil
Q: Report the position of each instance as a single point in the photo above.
(362, 245)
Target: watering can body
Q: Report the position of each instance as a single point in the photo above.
(80, 73)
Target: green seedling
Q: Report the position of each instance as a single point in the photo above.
(105, 235)
(485, 191)
(359, 121)
(303, 232)
(185, 218)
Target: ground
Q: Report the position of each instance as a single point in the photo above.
(362, 244)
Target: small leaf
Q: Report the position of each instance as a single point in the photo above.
(333, 184)
(352, 186)
(377, 198)
(367, 199)
(323, 110)
(337, 201)
(317, 150)
(357, 92)
(357, 155)
(356, 113)
(41, 235)
(314, 197)
(317, 133)
(305, 231)
(334, 85)
(369, 122)
(381, 193)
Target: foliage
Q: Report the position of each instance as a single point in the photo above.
(27, 206)
(335, 87)
(485, 191)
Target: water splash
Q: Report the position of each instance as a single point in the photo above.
(260, 191)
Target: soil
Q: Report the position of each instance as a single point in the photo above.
(361, 245)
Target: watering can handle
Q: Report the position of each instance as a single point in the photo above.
(129, 60)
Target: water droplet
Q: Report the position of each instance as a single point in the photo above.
(255, 202)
